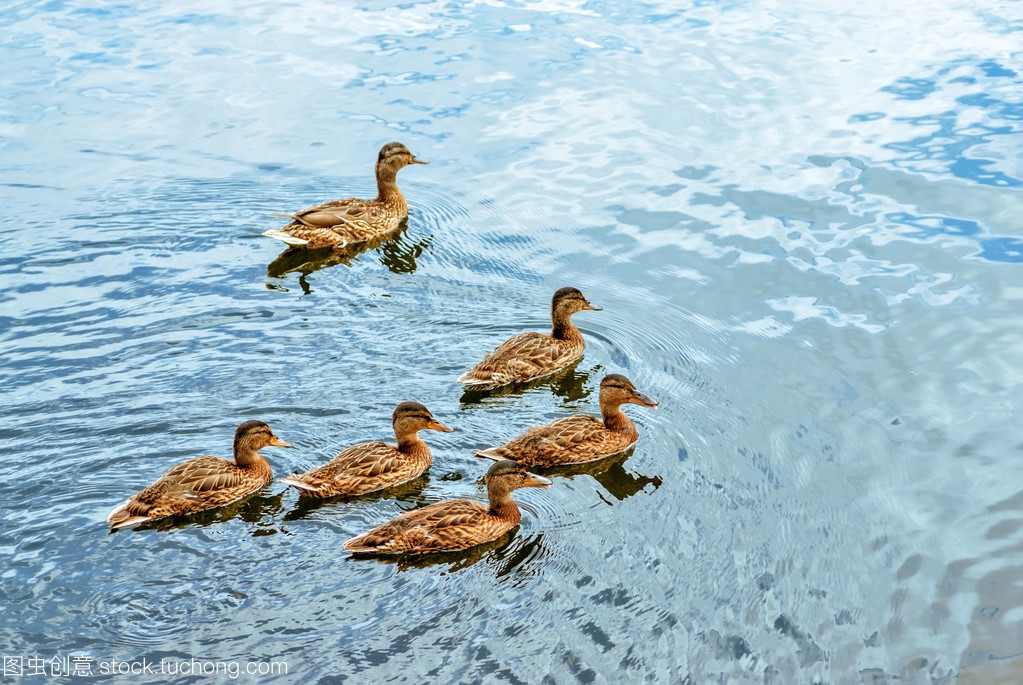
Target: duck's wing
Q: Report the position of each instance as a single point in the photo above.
(569, 440)
(198, 483)
(449, 525)
(361, 468)
(521, 358)
(203, 474)
(336, 223)
(333, 213)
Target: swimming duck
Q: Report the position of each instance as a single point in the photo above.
(338, 223)
(204, 482)
(454, 524)
(371, 466)
(528, 356)
(579, 438)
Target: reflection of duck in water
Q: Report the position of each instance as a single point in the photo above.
(569, 383)
(611, 474)
(204, 482)
(409, 491)
(371, 466)
(397, 253)
(522, 552)
(338, 223)
(580, 438)
(453, 524)
(621, 484)
(528, 356)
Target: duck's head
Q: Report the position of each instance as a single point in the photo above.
(505, 476)
(617, 389)
(252, 436)
(396, 156)
(410, 417)
(570, 301)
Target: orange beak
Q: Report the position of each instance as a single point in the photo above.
(277, 442)
(436, 425)
(590, 307)
(418, 161)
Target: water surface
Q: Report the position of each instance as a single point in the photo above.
(803, 225)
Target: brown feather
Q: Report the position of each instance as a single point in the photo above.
(579, 438)
(363, 468)
(445, 526)
(523, 357)
(571, 440)
(204, 482)
(195, 485)
(371, 466)
(353, 220)
(452, 525)
(529, 356)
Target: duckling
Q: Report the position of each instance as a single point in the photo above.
(371, 466)
(204, 482)
(580, 438)
(454, 524)
(528, 356)
(338, 223)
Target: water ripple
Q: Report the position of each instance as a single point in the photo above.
(803, 229)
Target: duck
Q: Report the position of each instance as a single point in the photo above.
(204, 482)
(579, 438)
(371, 466)
(453, 525)
(528, 356)
(339, 223)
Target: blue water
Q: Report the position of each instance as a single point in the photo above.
(804, 223)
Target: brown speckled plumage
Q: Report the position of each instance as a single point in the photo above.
(204, 482)
(352, 220)
(580, 438)
(452, 525)
(528, 356)
(371, 466)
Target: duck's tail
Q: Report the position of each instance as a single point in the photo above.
(364, 544)
(474, 382)
(294, 482)
(495, 453)
(286, 238)
(122, 518)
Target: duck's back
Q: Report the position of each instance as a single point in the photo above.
(445, 526)
(573, 439)
(521, 358)
(360, 469)
(194, 485)
(346, 221)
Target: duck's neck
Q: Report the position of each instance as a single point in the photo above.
(248, 458)
(387, 187)
(616, 421)
(503, 506)
(410, 444)
(564, 329)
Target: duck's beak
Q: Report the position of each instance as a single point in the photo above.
(642, 400)
(591, 308)
(277, 442)
(534, 481)
(418, 161)
(436, 425)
